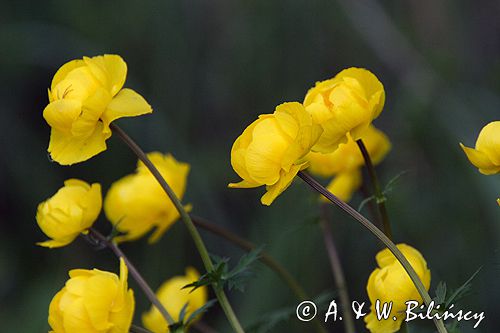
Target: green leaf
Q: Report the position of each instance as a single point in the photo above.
(389, 187)
(364, 202)
(462, 290)
(200, 311)
(440, 293)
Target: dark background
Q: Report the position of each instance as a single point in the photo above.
(209, 68)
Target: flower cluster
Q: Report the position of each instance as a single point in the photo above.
(322, 131)
(390, 283)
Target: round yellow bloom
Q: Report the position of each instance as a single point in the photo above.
(136, 203)
(347, 103)
(71, 211)
(348, 156)
(86, 95)
(271, 150)
(93, 301)
(174, 298)
(344, 184)
(486, 155)
(390, 282)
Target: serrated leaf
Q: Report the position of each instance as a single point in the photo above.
(440, 293)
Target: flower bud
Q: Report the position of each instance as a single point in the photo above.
(486, 155)
(137, 203)
(173, 297)
(93, 301)
(71, 211)
(271, 150)
(347, 103)
(391, 283)
(86, 95)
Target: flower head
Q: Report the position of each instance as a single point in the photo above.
(390, 282)
(93, 301)
(486, 155)
(172, 295)
(71, 211)
(86, 95)
(136, 203)
(271, 150)
(347, 103)
(348, 156)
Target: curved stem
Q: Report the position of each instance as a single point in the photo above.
(265, 258)
(379, 195)
(381, 236)
(337, 271)
(135, 274)
(219, 292)
(138, 329)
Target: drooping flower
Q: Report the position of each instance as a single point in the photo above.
(136, 203)
(271, 150)
(69, 212)
(348, 156)
(93, 301)
(391, 283)
(344, 184)
(486, 155)
(173, 297)
(86, 95)
(347, 103)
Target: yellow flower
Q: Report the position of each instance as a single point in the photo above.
(271, 150)
(486, 156)
(136, 203)
(344, 104)
(348, 156)
(344, 184)
(93, 301)
(86, 95)
(174, 298)
(71, 211)
(390, 282)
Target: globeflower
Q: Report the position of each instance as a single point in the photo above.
(345, 104)
(136, 203)
(71, 211)
(486, 155)
(348, 156)
(390, 283)
(271, 150)
(173, 297)
(93, 301)
(85, 96)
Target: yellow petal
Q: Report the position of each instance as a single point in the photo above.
(244, 184)
(285, 180)
(64, 70)
(127, 103)
(480, 160)
(110, 70)
(488, 142)
(67, 149)
(62, 113)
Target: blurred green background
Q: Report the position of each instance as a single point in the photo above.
(209, 68)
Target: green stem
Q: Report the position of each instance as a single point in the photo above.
(135, 274)
(219, 292)
(265, 258)
(337, 271)
(380, 198)
(380, 235)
